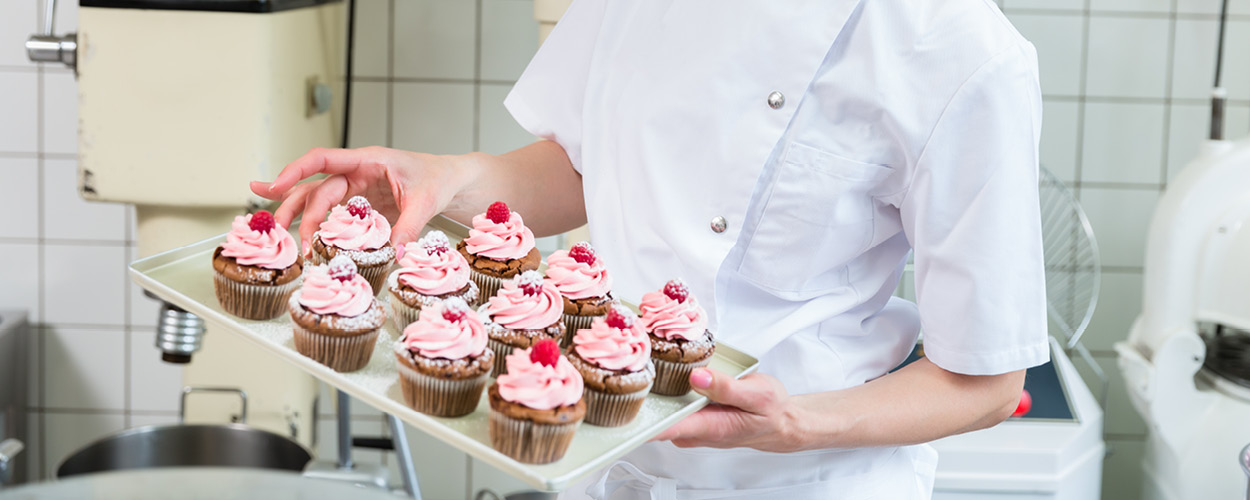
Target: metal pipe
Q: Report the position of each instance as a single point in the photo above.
(404, 455)
(344, 415)
(49, 16)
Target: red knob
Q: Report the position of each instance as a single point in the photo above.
(1026, 404)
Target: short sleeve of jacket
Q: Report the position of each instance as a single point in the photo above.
(972, 215)
(548, 99)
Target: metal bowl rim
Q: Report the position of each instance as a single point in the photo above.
(157, 427)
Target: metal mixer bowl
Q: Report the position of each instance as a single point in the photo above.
(231, 445)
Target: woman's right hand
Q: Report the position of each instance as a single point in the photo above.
(407, 188)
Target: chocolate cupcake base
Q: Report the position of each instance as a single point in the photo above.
(438, 396)
(342, 353)
(248, 301)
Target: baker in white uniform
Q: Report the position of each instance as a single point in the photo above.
(784, 158)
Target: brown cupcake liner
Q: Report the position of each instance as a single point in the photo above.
(530, 442)
(440, 397)
(402, 314)
(487, 285)
(375, 275)
(340, 353)
(502, 350)
(673, 379)
(613, 410)
(250, 301)
(573, 323)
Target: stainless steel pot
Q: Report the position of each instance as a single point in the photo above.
(230, 445)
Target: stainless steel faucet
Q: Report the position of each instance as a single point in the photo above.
(47, 47)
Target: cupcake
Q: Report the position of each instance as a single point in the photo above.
(443, 360)
(536, 406)
(257, 268)
(614, 358)
(499, 247)
(336, 316)
(584, 282)
(680, 341)
(428, 272)
(362, 234)
(526, 310)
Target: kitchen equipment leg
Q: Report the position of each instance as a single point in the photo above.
(344, 414)
(404, 455)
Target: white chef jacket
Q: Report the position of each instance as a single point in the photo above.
(833, 137)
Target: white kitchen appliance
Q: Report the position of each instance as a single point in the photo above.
(1187, 358)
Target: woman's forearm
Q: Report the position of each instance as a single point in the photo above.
(537, 181)
(916, 404)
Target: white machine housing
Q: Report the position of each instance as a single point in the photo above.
(1196, 270)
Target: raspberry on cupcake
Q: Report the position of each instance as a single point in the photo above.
(428, 273)
(535, 408)
(614, 358)
(443, 360)
(358, 231)
(499, 247)
(526, 310)
(336, 317)
(584, 282)
(257, 268)
(680, 341)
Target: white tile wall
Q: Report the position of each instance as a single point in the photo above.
(1194, 72)
(433, 117)
(1059, 34)
(60, 112)
(68, 217)
(84, 284)
(20, 102)
(509, 38)
(1188, 130)
(1123, 143)
(19, 21)
(19, 265)
(153, 384)
(84, 369)
(1120, 218)
(1127, 57)
(1060, 137)
(19, 195)
(435, 39)
(65, 433)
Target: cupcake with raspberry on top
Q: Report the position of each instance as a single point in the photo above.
(535, 408)
(584, 282)
(614, 358)
(429, 272)
(498, 248)
(680, 340)
(358, 231)
(336, 316)
(443, 360)
(257, 268)
(526, 310)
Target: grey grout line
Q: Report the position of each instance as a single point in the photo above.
(390, 75)
(1083, 69)
(1170, 66)
(380, 79)
(1122, 14)
(1138, 100)
(477, 78)
(81, 326)
(40, 258)
(66, 242)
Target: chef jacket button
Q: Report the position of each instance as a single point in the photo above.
(776, 100)
(719, 224)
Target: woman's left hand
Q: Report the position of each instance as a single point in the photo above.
(752, 412)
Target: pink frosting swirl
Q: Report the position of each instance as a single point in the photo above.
(436, 336)
(346, 231)
(539, 386)
(274, 249)
(325, 295)
(614, 348)
(667, 318)
(432, 272)
(577, 280)
(512, 308)
(510, 240)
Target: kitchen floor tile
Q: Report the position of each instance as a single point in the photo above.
(1123, 143)
(369, 114)
(18, 20)
(499, 132)
(1120, 218)
(19, 195)
(1122, 474)
(1058, 42)
(435, 39)
(84, 369)
(19, 98)
(66, 433)
(433, 117)
(60, 112)
(84, 284)
(19, 265)
(1059, 138)
(154, 384)
(509, 38)
(1127, 57)
(67, 216)
(1193, 73)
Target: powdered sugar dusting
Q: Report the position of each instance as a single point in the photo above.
(435, 242)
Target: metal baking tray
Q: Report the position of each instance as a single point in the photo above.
(183, 276)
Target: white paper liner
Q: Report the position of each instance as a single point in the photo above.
(613, 410)
(673, 379)
(440, 397)
(340, 353)
(248, 301)
(530, 442)
(573, 323)
(487, 285)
